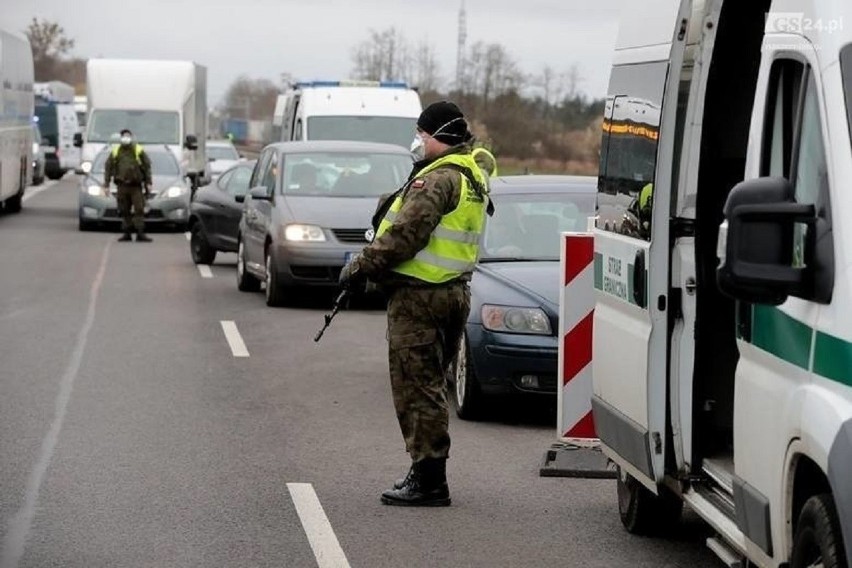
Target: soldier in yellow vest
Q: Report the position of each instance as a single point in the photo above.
(129, 166)
(426, 246)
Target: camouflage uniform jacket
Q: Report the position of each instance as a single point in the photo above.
(125, 169)
(425, 200)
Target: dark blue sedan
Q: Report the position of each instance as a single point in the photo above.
(510, 343)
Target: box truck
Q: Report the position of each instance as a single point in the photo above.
(161, 102)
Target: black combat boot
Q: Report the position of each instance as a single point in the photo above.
(400, 483)
(427, 486)
(143, 238)
(125, 237)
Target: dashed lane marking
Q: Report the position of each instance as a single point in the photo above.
(205, 271)
(321, 536)
(235, 340)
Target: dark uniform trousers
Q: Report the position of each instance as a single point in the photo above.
(425, 325)
(131, 196)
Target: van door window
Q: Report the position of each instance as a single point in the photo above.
(270, 175)
(628, 162)
(260, 169)
(785, 81)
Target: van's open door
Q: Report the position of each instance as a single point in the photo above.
(632, 251)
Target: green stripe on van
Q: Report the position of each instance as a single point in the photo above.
(779, 334)
(833, 358)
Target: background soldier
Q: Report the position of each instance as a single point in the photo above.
(129, 166)
(426, 246)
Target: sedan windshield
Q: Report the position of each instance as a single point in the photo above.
(148, 126)
(527, 227)
(345, 174)
(222, 153)
(386, 129)
(162, 163)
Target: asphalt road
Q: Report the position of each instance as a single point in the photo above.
(131, 434)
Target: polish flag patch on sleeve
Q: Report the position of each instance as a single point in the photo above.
(417, 184)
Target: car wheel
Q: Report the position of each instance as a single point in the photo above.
(202, 252)
(644, 513)
(467, 396)
(84, 225)
(245, 281)
(274, 291)
(55, 174)
(38, 180)
(818, 540)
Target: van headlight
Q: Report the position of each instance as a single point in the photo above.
(35, 147)
(508, 319)
(95, 190)
(303, 233)
(175, 191)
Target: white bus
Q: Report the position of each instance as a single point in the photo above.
(16, 131)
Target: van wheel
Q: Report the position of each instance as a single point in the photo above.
(644, 513)
(202, 252)
(467, 397)
(818, 540)
(245, 281)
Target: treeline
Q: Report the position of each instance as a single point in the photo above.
(541, 118)
(50, 47)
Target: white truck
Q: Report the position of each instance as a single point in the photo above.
(723, 322)
(161, 102)
(16, 119)
(370, 111)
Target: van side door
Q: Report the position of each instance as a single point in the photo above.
(632, 249)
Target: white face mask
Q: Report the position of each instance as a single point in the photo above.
(418, 147)
(126, 140)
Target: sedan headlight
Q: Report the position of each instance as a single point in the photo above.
(303, 233)
(175, 191)
(96, 190)
(509, 319)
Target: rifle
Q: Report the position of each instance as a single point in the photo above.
(328, 317)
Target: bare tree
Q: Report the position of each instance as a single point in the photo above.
(491, 72)
(252, 99)
(384, 56)
(426, 73)
(49, 44)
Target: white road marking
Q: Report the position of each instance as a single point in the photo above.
(15, 540)
(33, 191)
(235, 340)
(188, 235)
(323, 541)
(205, 271)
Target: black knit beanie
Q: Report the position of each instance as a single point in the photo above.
(445, 122)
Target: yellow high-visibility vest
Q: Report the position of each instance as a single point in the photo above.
(486, 158)
(453, 247)
(137, 151)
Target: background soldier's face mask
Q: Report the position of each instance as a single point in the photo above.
(125, 140)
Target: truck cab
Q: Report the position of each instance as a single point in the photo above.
(723, 275)
(369, 111)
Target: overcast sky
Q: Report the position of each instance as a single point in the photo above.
(313, 39)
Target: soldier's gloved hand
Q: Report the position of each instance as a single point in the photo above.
(350, 276)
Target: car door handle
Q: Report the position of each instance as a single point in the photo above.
(639, 293)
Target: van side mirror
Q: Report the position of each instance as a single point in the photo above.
(756, 242)
(240, 197)
(78, 140)
(191, 142)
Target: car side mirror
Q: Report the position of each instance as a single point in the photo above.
(78, 140)
(191, 142)
(240, 197)
(756, 246)
(260, 193)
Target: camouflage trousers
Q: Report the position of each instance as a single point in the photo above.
(127, 196)
(425, 326)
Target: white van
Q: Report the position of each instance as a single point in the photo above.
(370, 111)
(723, 325)
(57, 120)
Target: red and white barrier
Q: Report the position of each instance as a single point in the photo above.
(575, 422)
